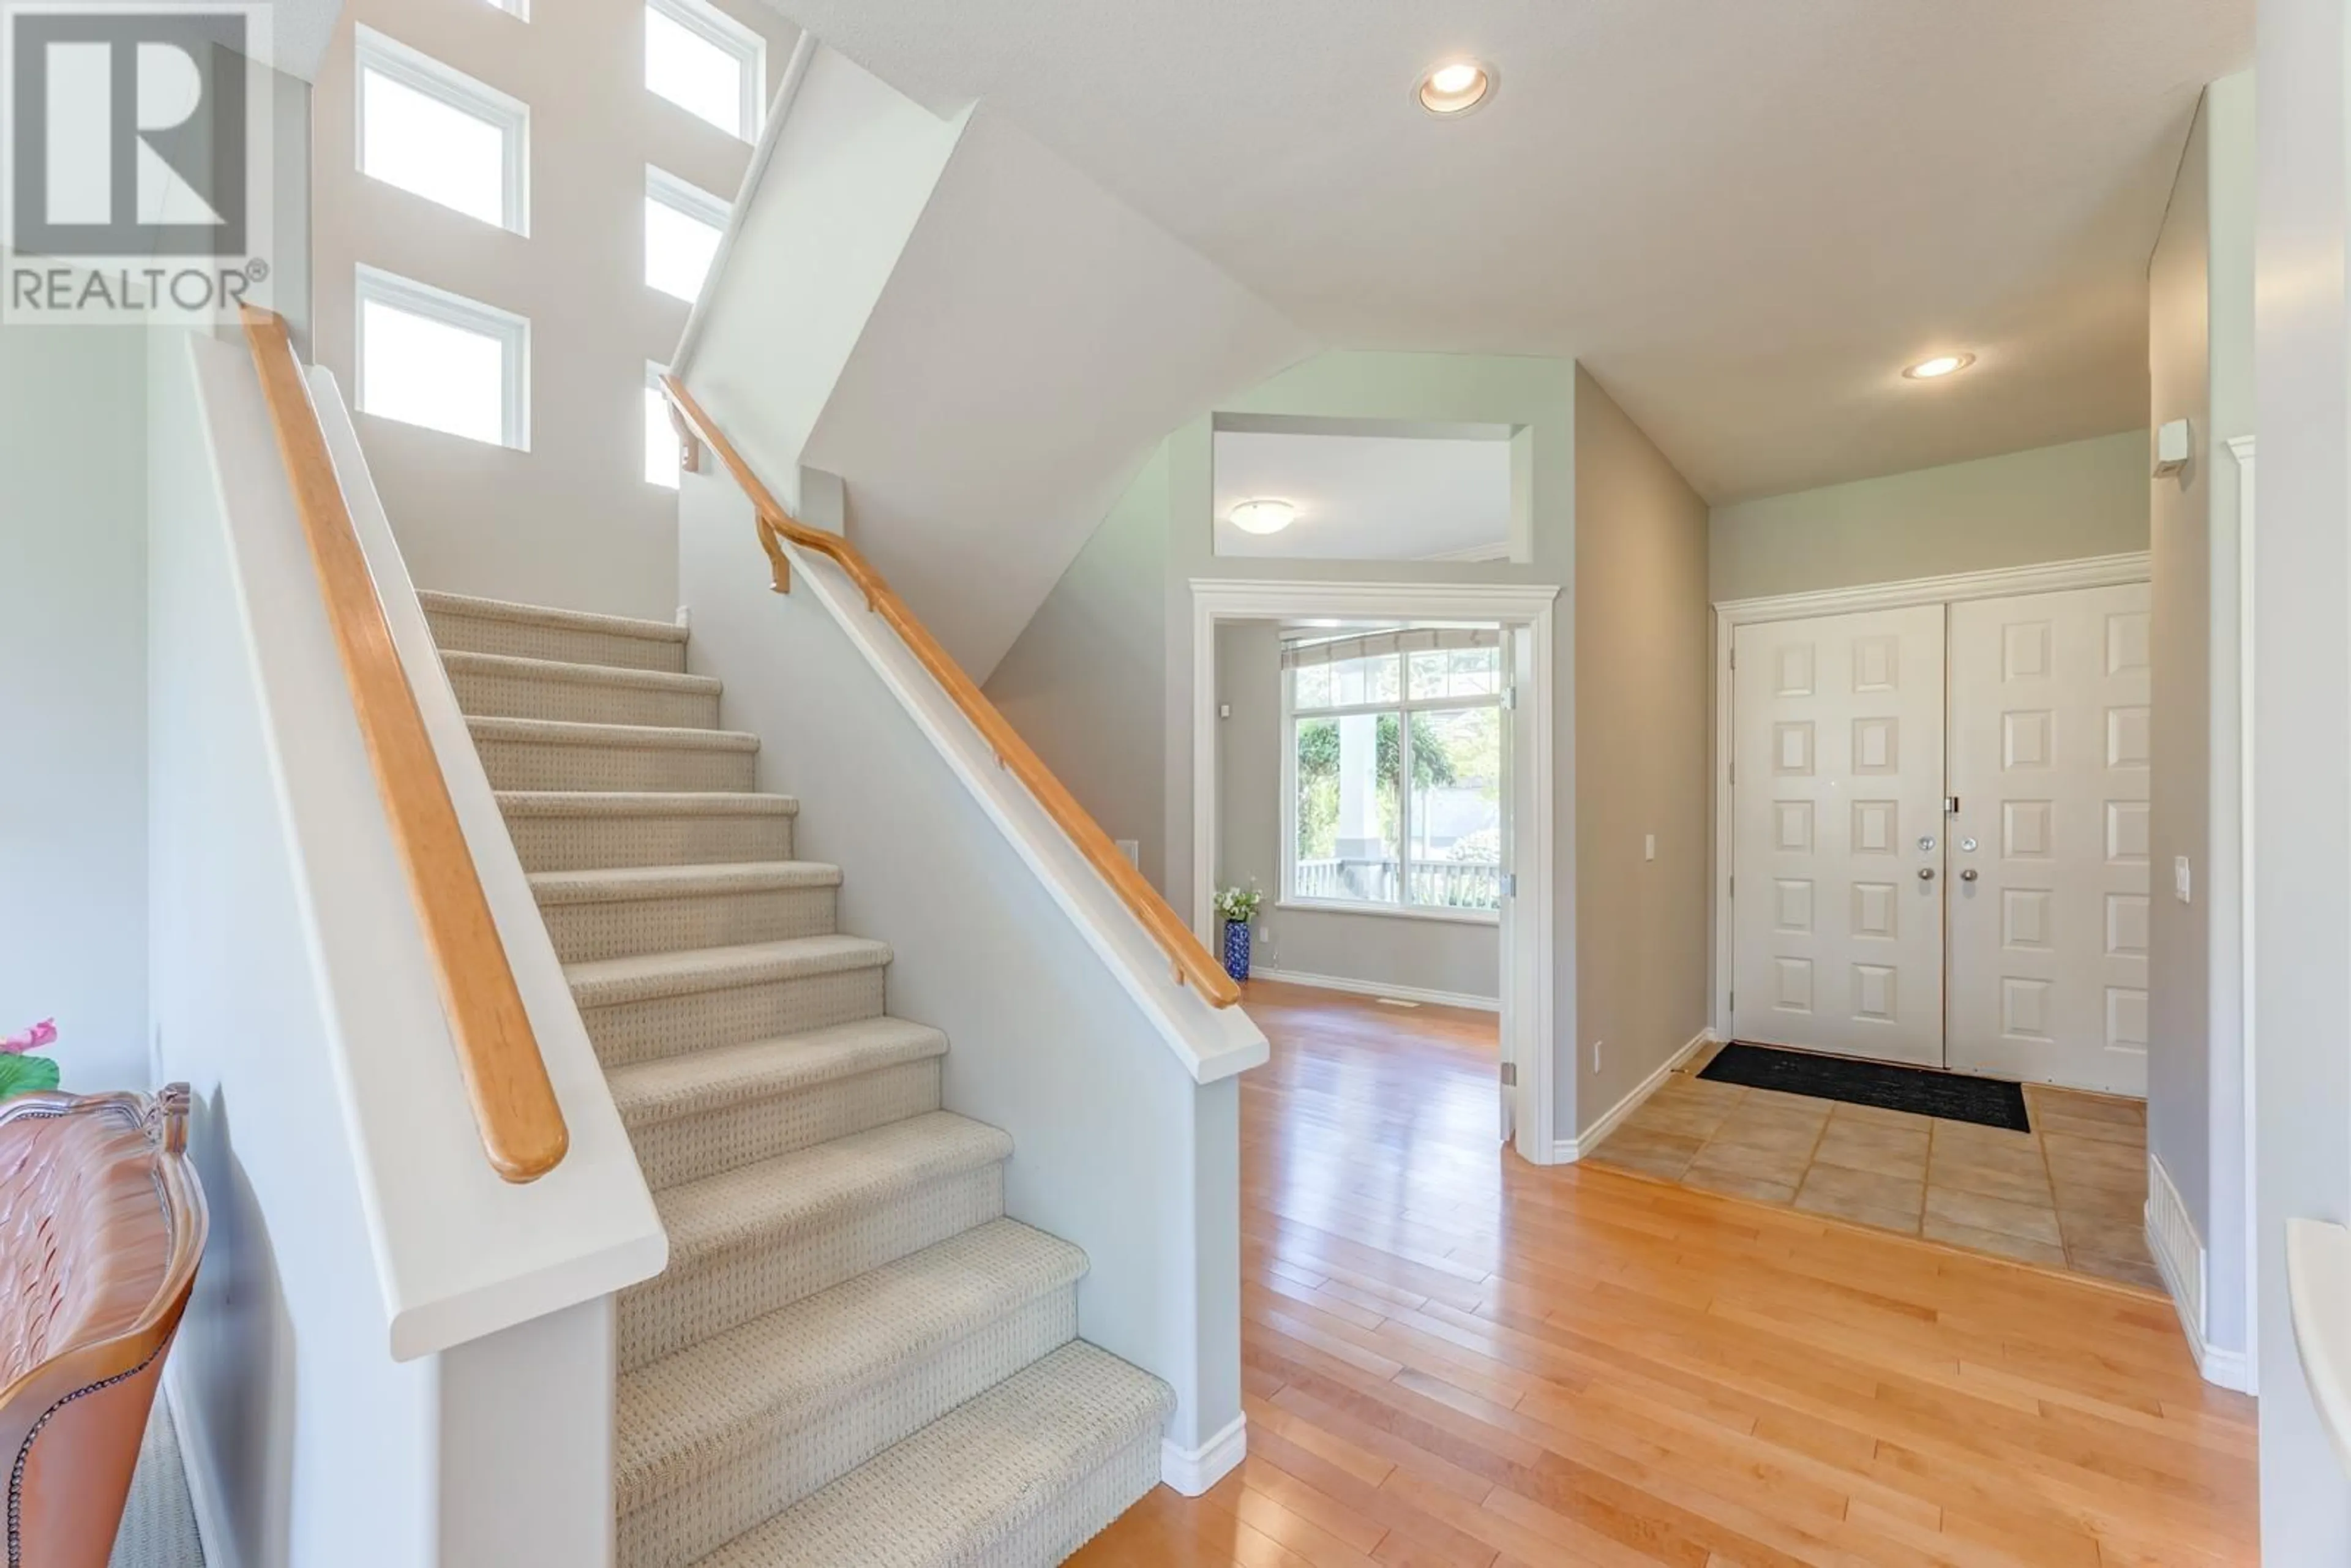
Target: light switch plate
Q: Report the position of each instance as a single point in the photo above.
(2180, 878)
(1649, 847)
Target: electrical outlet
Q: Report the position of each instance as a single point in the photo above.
(2180, 878)
(1595, 1054)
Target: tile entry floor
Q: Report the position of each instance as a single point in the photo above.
(2071, 1194)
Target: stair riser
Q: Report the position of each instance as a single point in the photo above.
(776, 1470)
(461, 634)
(1080, 1512)
(671, 1026)
(594, 843)
(1071, 1516)
(691, 1303)
(523, 765)
(688, 1148)
(483, 696)
(624, 928)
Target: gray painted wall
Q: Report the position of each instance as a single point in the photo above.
(2302, 731)
(2179, 812)
(1641, 629)
(1423, 953)
(2052, 503)
(2200, 352)
(73, 703)
(1080, 682)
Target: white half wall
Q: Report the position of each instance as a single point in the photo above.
(309, 1441)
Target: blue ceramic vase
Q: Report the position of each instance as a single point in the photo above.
(1237, 949)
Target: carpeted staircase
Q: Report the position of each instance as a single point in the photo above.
(854, 1357)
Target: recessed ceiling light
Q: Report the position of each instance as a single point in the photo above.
(1456, 87)
(1940, 365)
(1266, 515)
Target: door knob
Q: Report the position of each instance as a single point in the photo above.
(1926, 874)
(1968, 875)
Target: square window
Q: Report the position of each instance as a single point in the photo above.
(661, 438)
(430, 358)
(683, 227)
(706, 63)
(439, 133)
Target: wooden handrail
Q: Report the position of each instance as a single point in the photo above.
(514, 1103)
(1193, 966)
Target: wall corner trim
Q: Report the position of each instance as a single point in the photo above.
(1192, 1471)
(1567, 1151)
(2179, 1258)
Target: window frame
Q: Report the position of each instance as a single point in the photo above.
(1404, 704)
(419, 72)
(723, 32)
(688, 200)
(376, 286)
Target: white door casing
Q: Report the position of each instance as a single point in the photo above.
(1837, 898)
(2048, 699)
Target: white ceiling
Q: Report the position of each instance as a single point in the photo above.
(300, 31)
(1364, 497)
(1742, 217)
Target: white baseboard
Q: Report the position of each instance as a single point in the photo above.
(1194, 1470)
(1567, 1151)
(203, 1471)
(2179, 1258)
(1374, 988)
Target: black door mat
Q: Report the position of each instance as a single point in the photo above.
(1953, 1096)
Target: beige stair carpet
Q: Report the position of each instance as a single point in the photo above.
(854, 1357)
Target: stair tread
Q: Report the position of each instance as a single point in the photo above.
(689, 1412)
(620, 884)
(459, 662)
(645, 803)
(670, 1087)
(601, 982)
(764, 1201)
(549, 615)
(633, 736)
(970, 1477)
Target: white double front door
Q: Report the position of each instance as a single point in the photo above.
(1940, 829)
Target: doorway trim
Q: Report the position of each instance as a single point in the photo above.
(1729, 615)
(1529, 1035)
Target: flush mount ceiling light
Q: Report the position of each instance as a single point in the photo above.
(1265, 515)
(1456, 87)
(1942, 365)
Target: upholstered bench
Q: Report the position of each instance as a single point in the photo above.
(102, 1222)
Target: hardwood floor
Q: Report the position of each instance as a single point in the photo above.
(1452, 1357)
